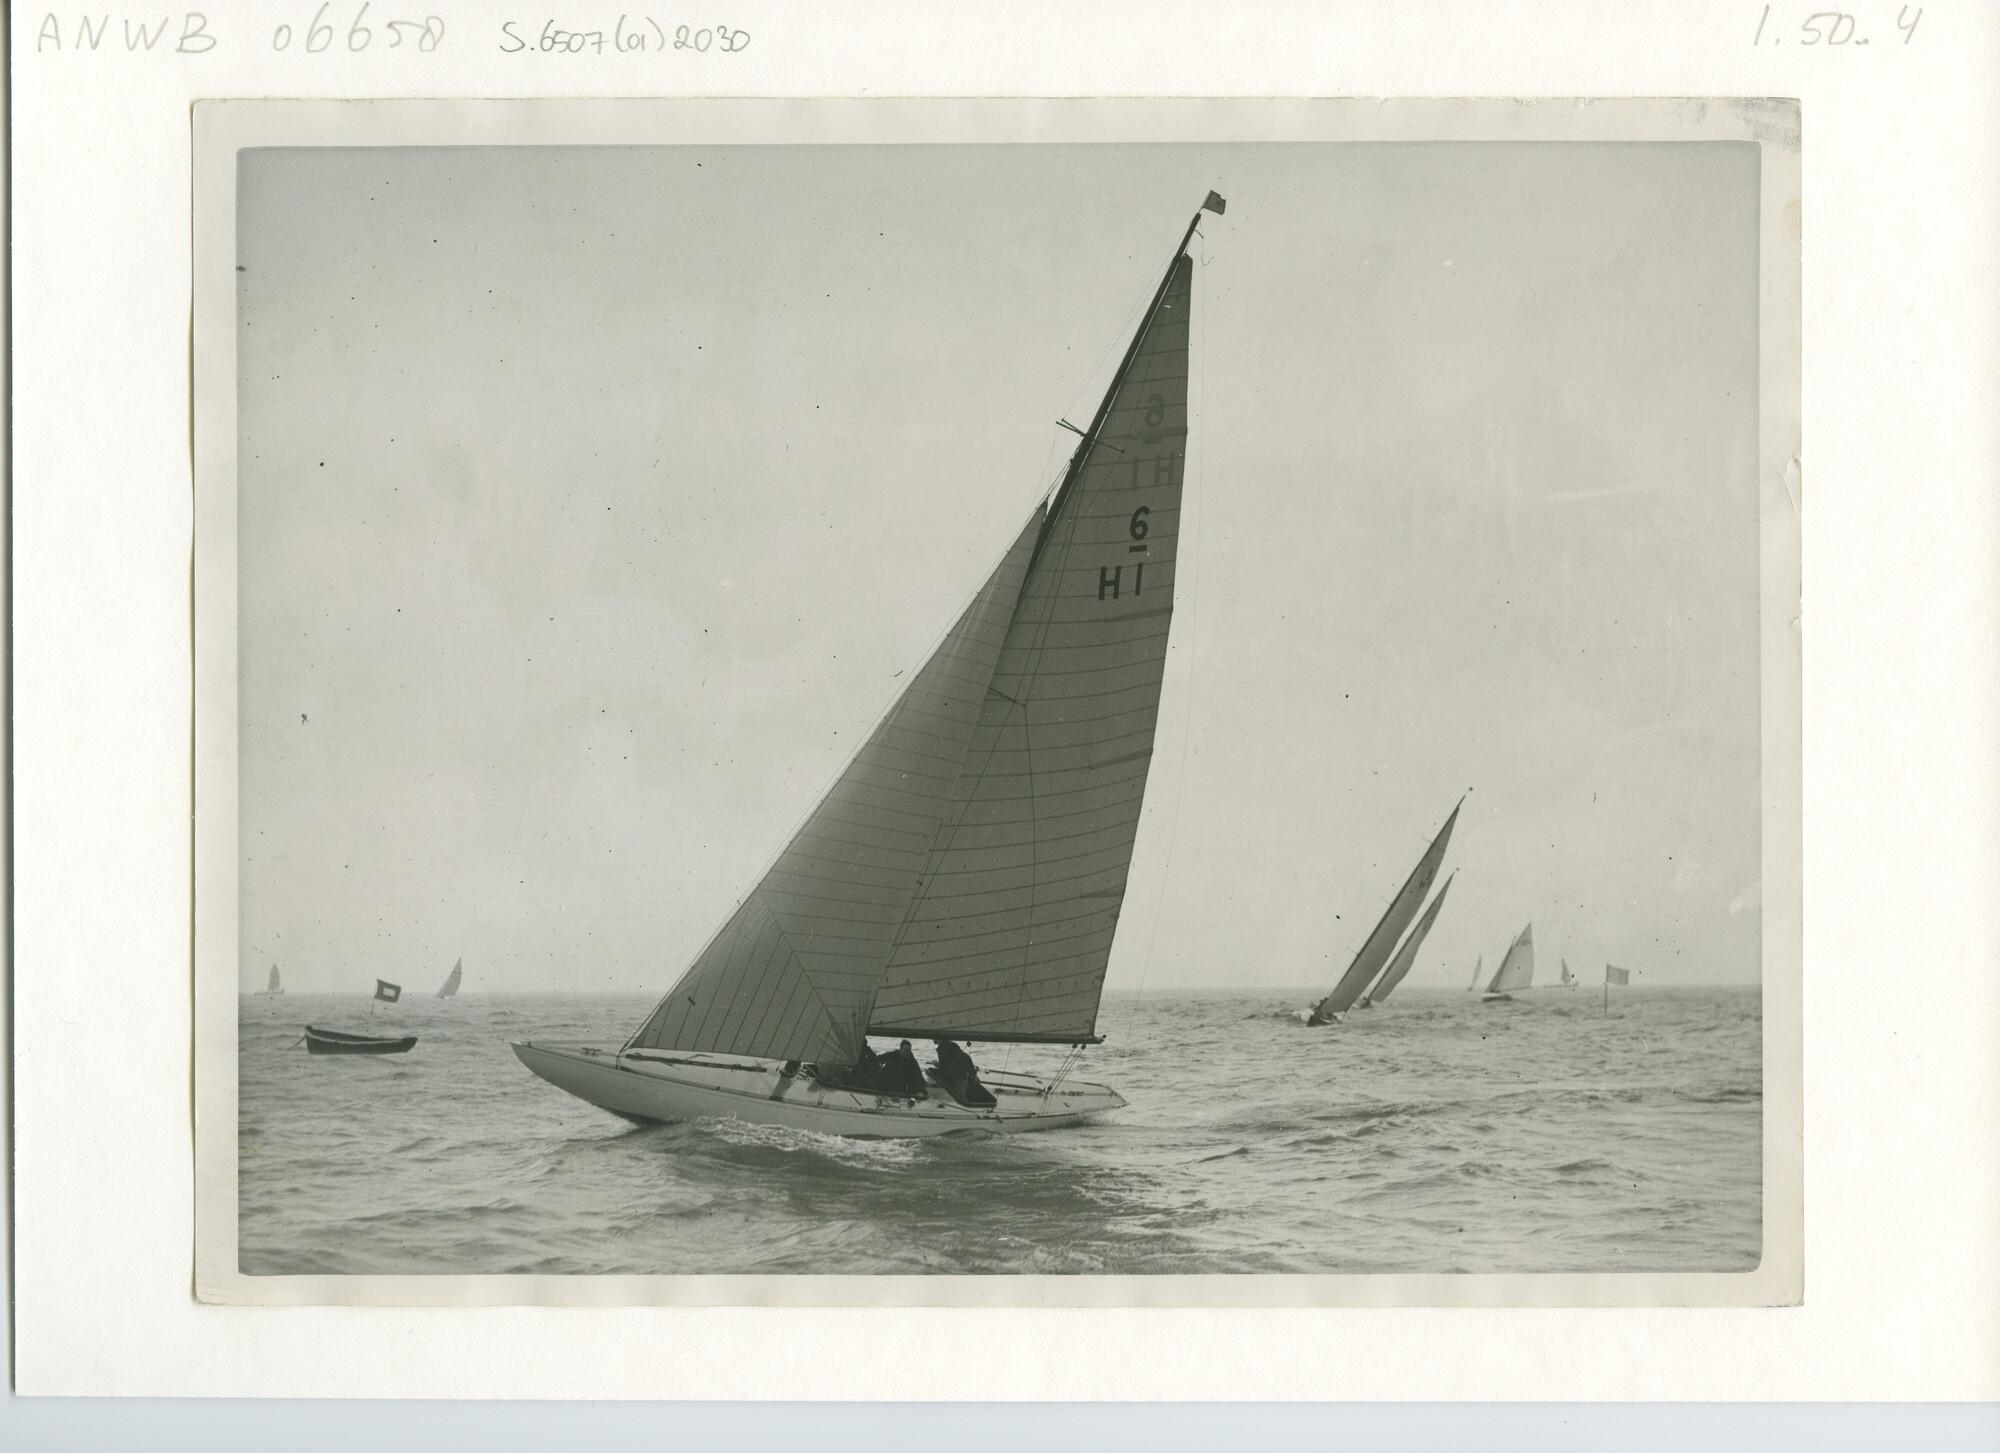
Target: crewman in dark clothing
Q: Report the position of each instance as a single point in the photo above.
(901, 1074)
(866, 1072)
(959, 1075)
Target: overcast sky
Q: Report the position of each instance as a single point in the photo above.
(592, 501)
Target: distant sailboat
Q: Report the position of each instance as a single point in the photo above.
(1516, 971)
(1568, 979)
(1478, 968)
(1407, 954)
(1374, 953)
(450, 986)
(962, 879)
(274, 987)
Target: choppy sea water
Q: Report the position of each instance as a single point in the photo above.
(1432, 1134)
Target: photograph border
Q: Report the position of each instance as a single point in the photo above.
(221, 129)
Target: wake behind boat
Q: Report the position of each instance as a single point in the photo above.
(962, 879)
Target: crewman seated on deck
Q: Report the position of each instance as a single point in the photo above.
(960, 1076)
(901, 1074)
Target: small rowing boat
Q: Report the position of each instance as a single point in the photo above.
(332, 1041)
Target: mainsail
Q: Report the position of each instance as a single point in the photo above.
(450, 985)
(1478, 968)
(1382, 942)
(963, 877)
(1566, 980)
(1010, 932)
(1407, 954)
(1517, 970)
(274, 987)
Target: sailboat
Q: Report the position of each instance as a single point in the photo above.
(1516, 971)
(1478, 968)
(962, 878)
(450, 985)
(1380, 944)
(274, 987)
(1407, 954)
(1568, 980)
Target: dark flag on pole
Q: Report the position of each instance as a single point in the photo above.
(1214, 203)
(1613, 975)
(387, 992)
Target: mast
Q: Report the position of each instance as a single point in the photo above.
(1088, 441)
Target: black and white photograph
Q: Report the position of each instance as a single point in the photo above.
(993, 706)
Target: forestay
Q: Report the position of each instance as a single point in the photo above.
(792, 973)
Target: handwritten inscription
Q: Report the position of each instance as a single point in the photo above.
(336, 28)
(190, 37)
(331, 29)
(1832, 28)
(317, 35)
(626, 36)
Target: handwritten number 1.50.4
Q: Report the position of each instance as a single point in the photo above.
(1834, 27)
(319, 35)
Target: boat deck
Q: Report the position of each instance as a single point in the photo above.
(663, 1085)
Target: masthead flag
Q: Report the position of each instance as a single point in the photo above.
(1614, 975)
(1214, 203)
(388, 992)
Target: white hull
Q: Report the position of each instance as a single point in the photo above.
(660, 1085)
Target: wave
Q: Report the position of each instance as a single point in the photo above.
(1727, 1095)
(845, 1150)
